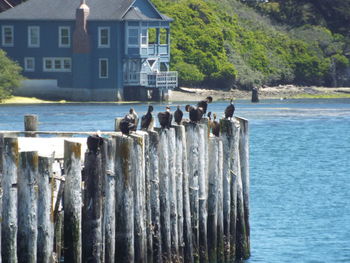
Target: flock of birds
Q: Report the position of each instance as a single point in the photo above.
(130, 122)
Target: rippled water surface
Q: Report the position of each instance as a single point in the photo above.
(300, 170)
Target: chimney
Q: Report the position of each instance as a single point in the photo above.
(81, 42)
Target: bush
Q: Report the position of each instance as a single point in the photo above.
(189, 75)
(10, 77)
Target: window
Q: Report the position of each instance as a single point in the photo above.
(144, 37)
(33, 36)
(103, 68)
(64, 36)
(133, 36)
(57, 64)
(7, 36)
(29, 64)
(103, 37)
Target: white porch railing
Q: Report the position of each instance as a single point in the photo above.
(166, 80)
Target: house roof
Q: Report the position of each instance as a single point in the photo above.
(65, 10)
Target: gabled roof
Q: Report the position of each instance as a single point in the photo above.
(65, 10)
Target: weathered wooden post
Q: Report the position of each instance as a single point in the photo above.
(92, 236)
(202, 183)
(1, 175)
(72, 202)
(220, 213)
(154, 196)
(181, 155)
(215, 179)
(138, 171)
(124, 213)
(192, 144)
(27, 207)
(226, 131)
(164, 193)
(255, 94)
(45, 209)
(108, 156)
(116, 123)
(244, 169)
(10, 161)
(173, 196)
(148, 197)
(30, 124)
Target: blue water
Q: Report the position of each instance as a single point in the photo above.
(300, 170)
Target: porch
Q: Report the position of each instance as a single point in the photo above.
(164, 80)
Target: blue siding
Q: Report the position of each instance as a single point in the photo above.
(48, 48)
(146, 8)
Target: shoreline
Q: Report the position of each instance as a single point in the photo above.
(188, 94)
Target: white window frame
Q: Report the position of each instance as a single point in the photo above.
(36, 29)
(100, 68)
(61, 61)
(26, 68)
(100, 45)
(3, 28)
(142, 37)
(138, 36)
(60, 44)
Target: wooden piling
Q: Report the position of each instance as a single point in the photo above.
(9, 205)
(108, 156)
(45, 211)
(1, 175)
(72, 202)
(116, 123)
(154, 196)
(148, 218)
(92, 235)
(226, 128)
(244, 168)
(192, 144)
(220, 213)
(164, 193)
(124, 213)
(27, 207)
(138, 170)
(30, 124)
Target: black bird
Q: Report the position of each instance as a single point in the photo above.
(94, 142)
(178, 115)
(230, 109)
(147, 119)
(204, 104)
(195, 114)
(165, 118)
(215, 126)
(127, 124)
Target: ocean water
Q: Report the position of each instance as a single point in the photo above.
(299, 169)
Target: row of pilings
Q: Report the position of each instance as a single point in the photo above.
(169, 195)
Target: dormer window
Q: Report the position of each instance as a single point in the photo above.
(33, 36)
(7, 36)
(64, 36)
(103, 37)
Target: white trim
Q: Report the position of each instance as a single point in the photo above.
(26, 68)
(3, 36)
(59, 67)
(141, 37)
(99, 68)
(60, 44)
(100, 45)
(37, 31)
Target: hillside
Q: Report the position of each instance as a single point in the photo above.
(224, 44)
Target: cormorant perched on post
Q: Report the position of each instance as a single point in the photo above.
(194, 113)
(204, 104)
(215, 126)
(127, 124)
(147, 119)
(134, 118)
(165, 118)
(178, 115)
(230, 109)
(94, 142)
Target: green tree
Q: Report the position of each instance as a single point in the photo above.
(10, 77)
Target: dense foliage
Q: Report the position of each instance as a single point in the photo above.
(225, 44)
(10, 76)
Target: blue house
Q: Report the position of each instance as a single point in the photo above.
(103, 50)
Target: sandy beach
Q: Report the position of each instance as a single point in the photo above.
(191, 94)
